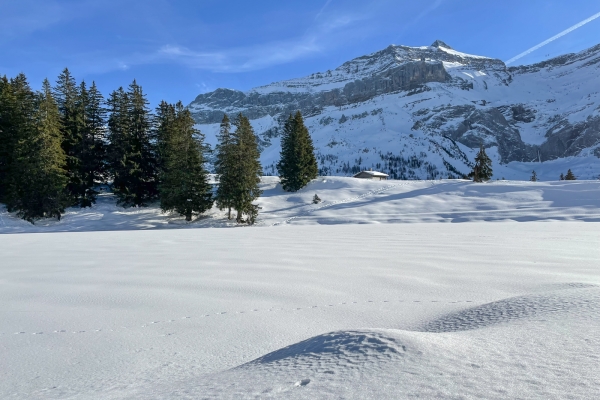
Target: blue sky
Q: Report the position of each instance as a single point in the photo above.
(178, 49)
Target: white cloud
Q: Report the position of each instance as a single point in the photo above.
(239, 59)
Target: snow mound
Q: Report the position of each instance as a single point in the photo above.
(580, 300)
(352, 348)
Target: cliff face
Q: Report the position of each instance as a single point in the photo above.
(409, 75)
(432, 104)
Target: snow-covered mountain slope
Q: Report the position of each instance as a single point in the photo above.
(422, 112)
(353, 201)
(481, 310)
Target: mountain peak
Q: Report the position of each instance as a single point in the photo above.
(439, 43)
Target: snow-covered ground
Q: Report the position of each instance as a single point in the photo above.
(336, 300)
(350, 200)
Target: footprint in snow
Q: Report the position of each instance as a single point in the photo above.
(303, 382)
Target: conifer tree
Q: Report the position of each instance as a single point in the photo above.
(298, 164)
(38, 178)
(247, 170)
(132, 153)
(17, 108)
(184, 186)
(94, 159)
(119, 146)
(225, 167)
(66, 94)
(562, 176)
(90, 149)
(482, 171)
(533, 176)
(570, 176)
(7, 132)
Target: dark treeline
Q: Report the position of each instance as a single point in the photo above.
(59, 144)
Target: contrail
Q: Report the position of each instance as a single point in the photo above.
(553, 38)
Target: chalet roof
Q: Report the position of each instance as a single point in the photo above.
(373, 173)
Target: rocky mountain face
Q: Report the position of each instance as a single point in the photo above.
(422, 112)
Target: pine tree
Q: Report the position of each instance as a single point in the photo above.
(482, 171)
(10, 111)
(570, 176)
(17, 108)
(533, 176)
(298, 164)
(225, 167)
(94, 158)
(184, 186)
(38, 179)
(247, 170)
(562, 176)
(67, 97)
(132, 155)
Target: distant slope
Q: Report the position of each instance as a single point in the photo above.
(421, 113)
(354, 201)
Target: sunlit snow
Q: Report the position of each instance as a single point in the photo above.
(393, 289)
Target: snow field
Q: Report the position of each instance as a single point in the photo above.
(486, 310)
(354, 297)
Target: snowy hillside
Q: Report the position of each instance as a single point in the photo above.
(350, 201)
(422, 112)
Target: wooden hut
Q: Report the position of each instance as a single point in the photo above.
(370, 174)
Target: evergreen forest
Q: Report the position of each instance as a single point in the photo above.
(58, 145)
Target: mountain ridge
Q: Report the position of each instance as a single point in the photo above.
(433, 104)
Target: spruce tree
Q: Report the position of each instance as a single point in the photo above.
(132, 154)
(17, 108)
(94, 160)
(482, 171)
(38, 179)
(8, 128)
(67, 96)
(570, 176)
(184, 186)
(247, 170)
(298, 164)
(533, 176)
(225, 167)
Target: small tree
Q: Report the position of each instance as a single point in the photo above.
(533, 176)
(570, 176)
(482, 171)
(562, 176)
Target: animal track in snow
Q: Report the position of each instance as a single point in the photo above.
(552, 299)
(303, 382)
